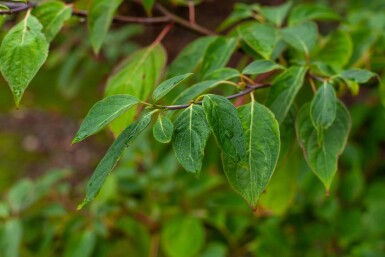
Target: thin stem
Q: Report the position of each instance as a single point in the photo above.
(313, 87)
(191, 9)
(16, 7)
(249, 89)
(162, 34)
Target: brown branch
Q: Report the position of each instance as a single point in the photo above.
(16, 7)
(249, 89)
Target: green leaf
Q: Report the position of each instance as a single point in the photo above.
(305, 12)
(10, 241)
(128, 79)
(260, 37)
(302, 37)
(218, 54)
(113, 155)
(81, 245)
(261, 66)
(102, 113)
(196, 90)
(323, 107)
(182, 236)
(190, 137)
(226, 125)
(276, 14)
(22, 53)
(337, 50)
(100, 16)
(148, 5)
(250, 176)
(52, 16)
(322, 158)
(241, 12)
(223, 74)
(166, 86)
(359, 76)
(163, 129)
(284, 90)
(190, 57)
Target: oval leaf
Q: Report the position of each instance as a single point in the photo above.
(226, 125)
(284, 90)
(113, 155)
(102, 113)
(358, 75)
(322, 158)
(306, 12)
(190, 137)
(250, 176)
(163, 129)
(168, 85)
(100, 16)
(323, 107)
(261, 66)
(22, 53)
(301, 37)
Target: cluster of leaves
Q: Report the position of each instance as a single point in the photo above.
(287, 54)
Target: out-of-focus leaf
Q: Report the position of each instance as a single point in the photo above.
(302, 37)
(306, 12)
(81, 245)
(23, 51)
(52, 16)
(100, 16)
(223, 74)
(241, 12)
(182, 236)
(226, 125)
(21, 195)
(276, 14)
(261, 66)
(357, 75)
(148, 5)
(11, 237)
(284, 90)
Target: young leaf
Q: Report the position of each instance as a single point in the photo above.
(103, 112)
(226, 125)
(196, 90)
(22, 53)
(100, 16)
(305, 12)
(260, 37)
(190, 137)
(276, 14)
(322, 158)
(250, 176)
(223, 74)
(52, 16)
(113, 155)
(337, 50)
(261, 66)
(323, 107)
(166, 86)
(241, 12)
(148, 5)
(163, 129)
(357, 75)
(301, 37)
(218, 54)
(146, 63)
(190, 57)
(284, 90)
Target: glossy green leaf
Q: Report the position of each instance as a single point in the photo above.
(128, 79)
(103, 112)
(196, 90)
(322, 158)
(100, 16)
(148, 5)
(261, 66)
(226, 125)
(284, 90)
(166, 86)
(190, 57)
(276, 14)
(163, 129)
(306, 12)
(250, 176)
(52, 16)
(302, 37)
(337, 50)
(190, 137)
(11, 236)
(218, 54)
(182, 236)
(223, 74)
(23, 51)
(358, 75)
(113, 155)
(323, 107)
(260, 37)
